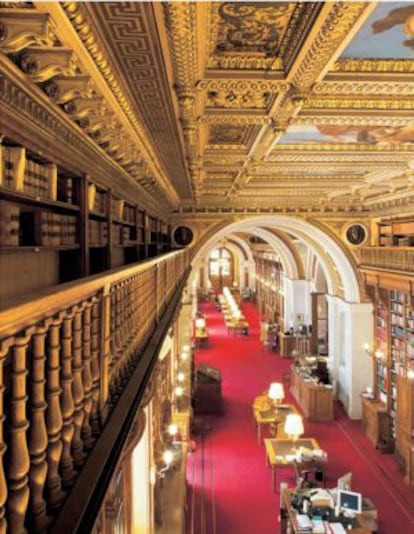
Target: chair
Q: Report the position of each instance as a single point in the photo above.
(309, 474)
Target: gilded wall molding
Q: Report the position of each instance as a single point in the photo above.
(362, 147)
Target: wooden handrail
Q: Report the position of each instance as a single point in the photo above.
(66, 357)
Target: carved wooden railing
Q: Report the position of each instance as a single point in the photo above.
(65, 358)
(390, 258)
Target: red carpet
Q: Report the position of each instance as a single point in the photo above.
(229, 483)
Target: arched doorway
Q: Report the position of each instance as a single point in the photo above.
(220, 268)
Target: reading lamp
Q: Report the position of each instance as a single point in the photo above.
(294, 427)
(276, 393)
(200, 323)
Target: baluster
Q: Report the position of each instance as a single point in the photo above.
(86, 432)
(77, 385)
(4, 350)
(105, 358)
(95, 371)
(54, 417)
(19, 460)
(67, 403)
(38, 439)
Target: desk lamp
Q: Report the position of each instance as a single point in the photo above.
(200, 323)
(276, 393)
(294, 427)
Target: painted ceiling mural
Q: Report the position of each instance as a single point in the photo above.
(387, 34)
(334, 134)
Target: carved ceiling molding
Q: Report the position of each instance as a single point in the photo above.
(41, 114)
(233, 120)
(335, 28)
(347, 65)
(279, 179)
(387, 122)
(361, 147)
(274, 86)
(181, 23)
(78, 15)
(351, 159)
(385, 104)
(365, 88)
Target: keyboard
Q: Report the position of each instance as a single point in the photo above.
(336, 528)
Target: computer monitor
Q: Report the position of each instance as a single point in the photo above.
(349, 502)
(344, 482)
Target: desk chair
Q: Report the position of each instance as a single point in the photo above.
(309, 474)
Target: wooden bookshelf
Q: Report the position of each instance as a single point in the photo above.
(396, 233)
(393, 360)
(67, 225)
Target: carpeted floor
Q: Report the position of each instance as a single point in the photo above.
(229, 485)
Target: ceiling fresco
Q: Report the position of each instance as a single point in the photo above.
(387, 34)
(253, 105)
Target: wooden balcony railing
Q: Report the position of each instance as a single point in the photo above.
(392, 258)
(65, 359)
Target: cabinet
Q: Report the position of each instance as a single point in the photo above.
(316, 400)
(56, 226)
(376, 422)
(397, 233)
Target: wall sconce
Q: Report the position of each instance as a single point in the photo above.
(379, 354)
(167, 458)
(179, 391)
(410, 374)
(180, 377)
(175, 434)
(276, 393)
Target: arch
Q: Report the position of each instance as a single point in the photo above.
(338, 269)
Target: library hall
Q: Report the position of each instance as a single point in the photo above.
(206, 267)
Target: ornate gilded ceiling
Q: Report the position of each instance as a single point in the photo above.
(254, 105)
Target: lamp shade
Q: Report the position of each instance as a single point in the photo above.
(276, 391)
(200, 323)
(294, 425)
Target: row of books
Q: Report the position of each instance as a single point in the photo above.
(121, 235)
(9, 224)
(57, 229)
(98, 233)
(37, 180)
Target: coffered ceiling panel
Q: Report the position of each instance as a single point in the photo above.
(256, 105)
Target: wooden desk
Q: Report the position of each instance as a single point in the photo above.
(271, 415)
(315, 400)
(201, 336)
(282, 452)
(238, 327)
(289, 524)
